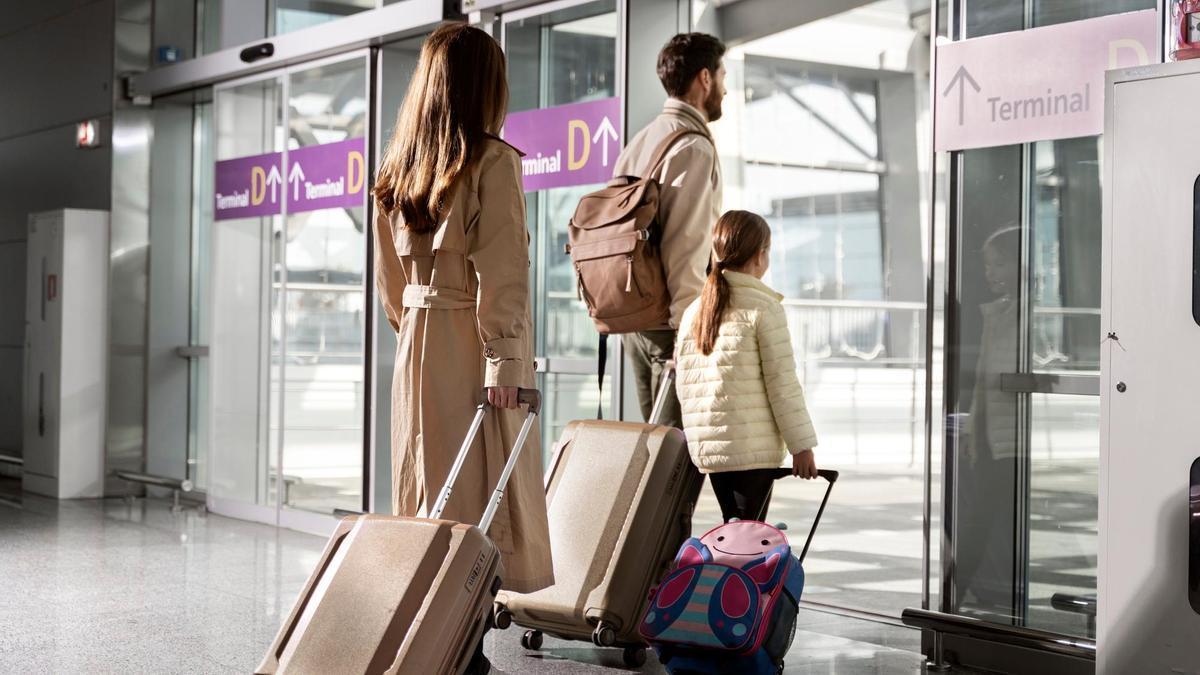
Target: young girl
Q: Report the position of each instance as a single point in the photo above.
(743, 408)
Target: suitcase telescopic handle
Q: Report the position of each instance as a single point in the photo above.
(660, 398)
(831, 477)
(528, 397)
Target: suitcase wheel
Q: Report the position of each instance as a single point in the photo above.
(604, 635)
(532, 640)
(634, 657)
(502, 619)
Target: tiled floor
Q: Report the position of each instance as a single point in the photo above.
(108, 587)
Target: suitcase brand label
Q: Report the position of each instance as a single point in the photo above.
(675, 473)
(476, 572)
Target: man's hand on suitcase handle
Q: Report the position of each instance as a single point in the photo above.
(804, 464)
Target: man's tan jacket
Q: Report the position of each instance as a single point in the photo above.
(690, 201)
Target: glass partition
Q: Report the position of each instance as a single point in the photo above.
(565, 56)
(823, 141)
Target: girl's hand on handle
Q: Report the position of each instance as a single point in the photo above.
(804, 464)
(505, 397)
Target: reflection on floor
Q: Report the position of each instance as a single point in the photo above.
(105, 586)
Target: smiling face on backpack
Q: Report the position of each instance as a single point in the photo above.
(744, 538)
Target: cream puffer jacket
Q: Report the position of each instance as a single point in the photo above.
(743, 407)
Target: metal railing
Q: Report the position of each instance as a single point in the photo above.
(822, 330)
(1015, 636)
(175, 485)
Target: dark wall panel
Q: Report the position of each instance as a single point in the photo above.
(57, 72)
(20, 15)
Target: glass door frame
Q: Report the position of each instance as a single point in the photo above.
(276, 513)
(1024, 383)
(552, 365)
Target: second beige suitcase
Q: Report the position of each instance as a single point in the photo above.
(620, 497)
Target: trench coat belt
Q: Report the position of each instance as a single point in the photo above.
(434, 297)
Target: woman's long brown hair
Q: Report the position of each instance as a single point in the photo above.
(738, 236)
(458, 95)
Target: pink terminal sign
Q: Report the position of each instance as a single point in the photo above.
(1035, 85)
(327, 176)
(567, 145)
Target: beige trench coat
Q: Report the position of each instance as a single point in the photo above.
(458, 299)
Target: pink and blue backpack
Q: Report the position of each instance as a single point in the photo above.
(730, 604)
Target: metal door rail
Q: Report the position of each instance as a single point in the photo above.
(1013, 636)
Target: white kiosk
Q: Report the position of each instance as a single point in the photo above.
(66, 353)
(1149, 586)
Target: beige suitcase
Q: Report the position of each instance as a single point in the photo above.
(399, 595)
(620, 497)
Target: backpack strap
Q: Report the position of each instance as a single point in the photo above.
(660, 153)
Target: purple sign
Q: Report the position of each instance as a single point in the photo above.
(326, 176)
(568, 145)
(248, 186)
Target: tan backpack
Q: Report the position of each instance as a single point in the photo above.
(614, 241)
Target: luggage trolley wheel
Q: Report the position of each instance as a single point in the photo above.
(532, 640)
(634, 657)
(604, 635)
(502, 619)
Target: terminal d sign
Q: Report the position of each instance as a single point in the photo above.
(247, 187)
(1035, 85)
(327, 176)
(567, 145)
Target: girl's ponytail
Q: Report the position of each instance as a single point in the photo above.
(713, 300)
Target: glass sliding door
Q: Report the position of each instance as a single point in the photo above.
(1022, 363)
(1024, 342)
(1064, 418)
(320, 284)
(249, 123)
(289, 293)
(199, 397)
(568, 55)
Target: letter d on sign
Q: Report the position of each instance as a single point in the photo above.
(576, 163)
(258, 185)
(355, 175)
(1138, 49)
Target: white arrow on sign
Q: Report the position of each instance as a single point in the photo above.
(296, 175)
(606, 129)
(274, 180)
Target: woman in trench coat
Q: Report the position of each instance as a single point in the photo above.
(452, 269)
